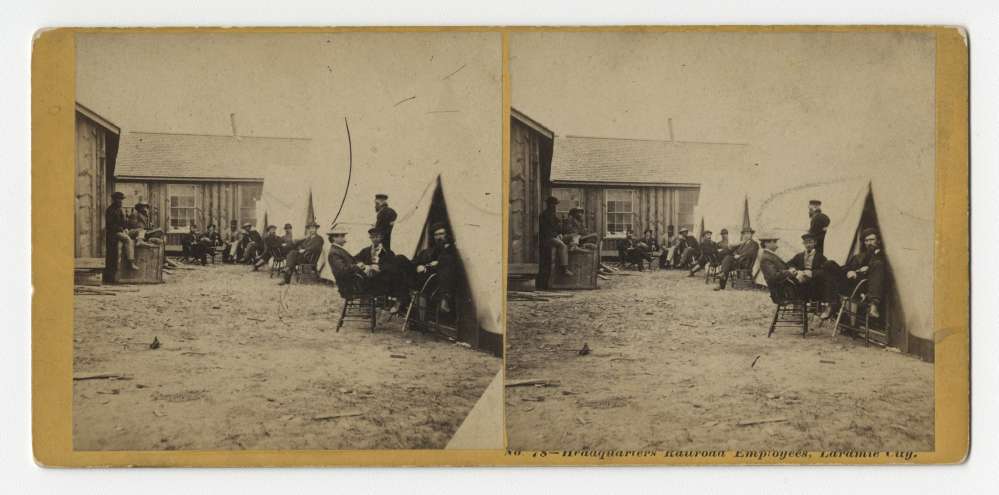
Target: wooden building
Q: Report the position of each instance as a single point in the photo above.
(96, 150)
(201, 179)
(635, 184)
(530, 166)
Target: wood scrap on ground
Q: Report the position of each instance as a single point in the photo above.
(337, 416)
(534, 382)
(102, 376)
(760, 421)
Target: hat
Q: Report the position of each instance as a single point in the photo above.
(749, 231)
(724, 231)
(141, 202)
(769, 236)
(869, 231)
(336, 229)
(312, 224)
(233, 222)
(438, 226)
(269, 227)
(247, 225)
(815, 202)
(807, 235)
(287, 226)
(576, 208)
(374, 230)
(381, 196)
(118, 195)
(552, 200)
(684, 229)
(707, 232)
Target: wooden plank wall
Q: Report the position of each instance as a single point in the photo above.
(91, 188)
(526, 190)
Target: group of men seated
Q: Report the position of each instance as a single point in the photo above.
(812, 277)
(376, 270)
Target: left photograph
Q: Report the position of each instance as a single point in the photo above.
(288, 241)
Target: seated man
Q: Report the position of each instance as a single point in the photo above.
(344, 267)
(194, 246)
(630, 251)
(440, 258)
(723, 245)
(869, 264)
(649, 242)
(383, 271)
(575, 234)
(688, 248)
(253, 243)
(815, 276)
(231, 241)
(272, 248)
(139, 227)
(213, 240)
(742, 257)
(550, 233)
(287, 239)
(707, 253)
(306, 251)
(668, 245)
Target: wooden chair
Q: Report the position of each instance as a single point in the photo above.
(792, 310)
(423, 311)
(358, 305)
(278, 265)
(741, 279)
(853, 318)
(306, 272)
(712, 272)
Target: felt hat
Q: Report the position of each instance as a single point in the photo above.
(438, 226)
(287, 226)
(247, 225)
(336, 229)
(118, 195)
(869, 231)
(815, 202)
(807, 235)
(552, 200)
(381, 196)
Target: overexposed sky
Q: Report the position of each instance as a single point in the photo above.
(812, 106)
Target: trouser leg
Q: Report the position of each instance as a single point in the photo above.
(129, 246)
(876, 274)
(294, 258)
(562, 252)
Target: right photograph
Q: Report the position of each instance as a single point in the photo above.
(721, 241)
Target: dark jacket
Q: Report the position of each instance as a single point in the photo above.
(798, 261)
(748, 249)
(708, 248)
(341, 262)
(691, 242)
(115, 220)
(255, 237)
(818, 225)
(549, 225)
(434, 253)
(273, 245)
(774, 269)
(384, 221)
(864, 258)
(652, 243)
(384, 259)
(313, 247)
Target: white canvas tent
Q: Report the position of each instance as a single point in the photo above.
(907, 237)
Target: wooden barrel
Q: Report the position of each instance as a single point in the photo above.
(150, 262)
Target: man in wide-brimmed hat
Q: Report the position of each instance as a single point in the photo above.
(575, 234)
(342, 263)
(304, 251)
(140, 228)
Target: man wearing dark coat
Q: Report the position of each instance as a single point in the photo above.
(707, 253)
(384, 219)
(743, 256)
(689, 249)
(384, 272)
(304, 251)
(550, 234)
(343, 265)
(815, 276)
(869, 264)
(272, 248)
(116, 232)
(818, 224)
(441, 258)
(254, 243)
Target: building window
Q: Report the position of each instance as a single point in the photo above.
(687, 203)
(567, 198)
(620, 209)
(249, 195)
(183, 206)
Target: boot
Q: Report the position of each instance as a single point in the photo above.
(133, 266)
(872, 311)
(827, 312)
(721, 284)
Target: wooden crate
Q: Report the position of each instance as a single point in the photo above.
(584, 267)
(150, 262)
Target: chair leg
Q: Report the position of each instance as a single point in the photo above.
(773, 325)
(374, 313)
(343, 314)
(804, 319)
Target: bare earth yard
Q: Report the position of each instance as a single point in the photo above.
(671, 368)
(244, 364)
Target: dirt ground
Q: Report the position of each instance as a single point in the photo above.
(671, 368)
(236, 371)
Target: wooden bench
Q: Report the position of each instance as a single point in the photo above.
(88, 271)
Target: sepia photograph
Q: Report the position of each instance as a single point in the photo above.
(721, 241)
(288, 241)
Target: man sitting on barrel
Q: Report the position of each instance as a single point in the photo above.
(575, 233)
(304, 251)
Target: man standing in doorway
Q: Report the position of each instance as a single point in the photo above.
(384, 219)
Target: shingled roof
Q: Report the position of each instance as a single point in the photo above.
(158, 155)
(597, 160)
